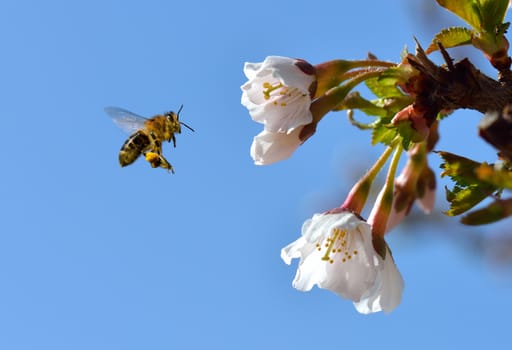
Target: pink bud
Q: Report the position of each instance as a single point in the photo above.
(415, 120)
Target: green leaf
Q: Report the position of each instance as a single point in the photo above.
(482, 15)
(468, 10)
(462, 199)
(492, 13)
(382, 133)
(470, 189)
(460, 169)
(494, 175)
(385, 85)
(497, 210)
(354, 100)
(451, 37)
(408, 133)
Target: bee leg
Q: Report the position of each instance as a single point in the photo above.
(153, 159)
(166, 165)
(158, 161)
(157, 148)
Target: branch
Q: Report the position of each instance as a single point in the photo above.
(456, 86)
(461, 85)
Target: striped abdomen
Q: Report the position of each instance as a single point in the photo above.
(137, 143)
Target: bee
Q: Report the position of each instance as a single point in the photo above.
(146, 135)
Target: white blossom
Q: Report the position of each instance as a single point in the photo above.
(270, 147)
(277, 94)
(336, 253)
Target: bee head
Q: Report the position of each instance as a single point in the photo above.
(174, 121)
(177, 120)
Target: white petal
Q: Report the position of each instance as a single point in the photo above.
(292, 250)
(286, 70)
(268, 147)
(253, 91)
(353, 278)
(311, 269)
(313, 228)
(386, 294)
(284, 107)
(285, 119)
(251, 69)
(279, 113)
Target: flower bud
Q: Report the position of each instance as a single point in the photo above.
(411, 124)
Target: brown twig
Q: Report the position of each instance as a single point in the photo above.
(460, 85)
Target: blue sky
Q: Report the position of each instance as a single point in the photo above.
(93, 256)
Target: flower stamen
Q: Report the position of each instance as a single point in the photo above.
(284, 96)
(336, 243)
(269, 88)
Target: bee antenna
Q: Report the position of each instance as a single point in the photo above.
(179, 110)
(188, 127)
(178, 114)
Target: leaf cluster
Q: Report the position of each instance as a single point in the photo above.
(475, 182)
(486, 20)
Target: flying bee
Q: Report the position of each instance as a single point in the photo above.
(147, 135)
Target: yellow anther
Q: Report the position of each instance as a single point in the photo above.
(337, 243)
(269, 88)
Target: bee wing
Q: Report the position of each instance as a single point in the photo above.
(126, 120)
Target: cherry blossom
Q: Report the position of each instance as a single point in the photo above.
(336, 253)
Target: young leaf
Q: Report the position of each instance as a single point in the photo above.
(468, 10)
(497, 210)
(382, 133)
(462, 199)
(408, 134)
(498, 177)
(386, 84)
(471, 187)
(354, 100)
(451, 37)
(492, 13)
(460, 169)
(482, 15)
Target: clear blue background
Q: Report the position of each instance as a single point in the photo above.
(93, 256)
